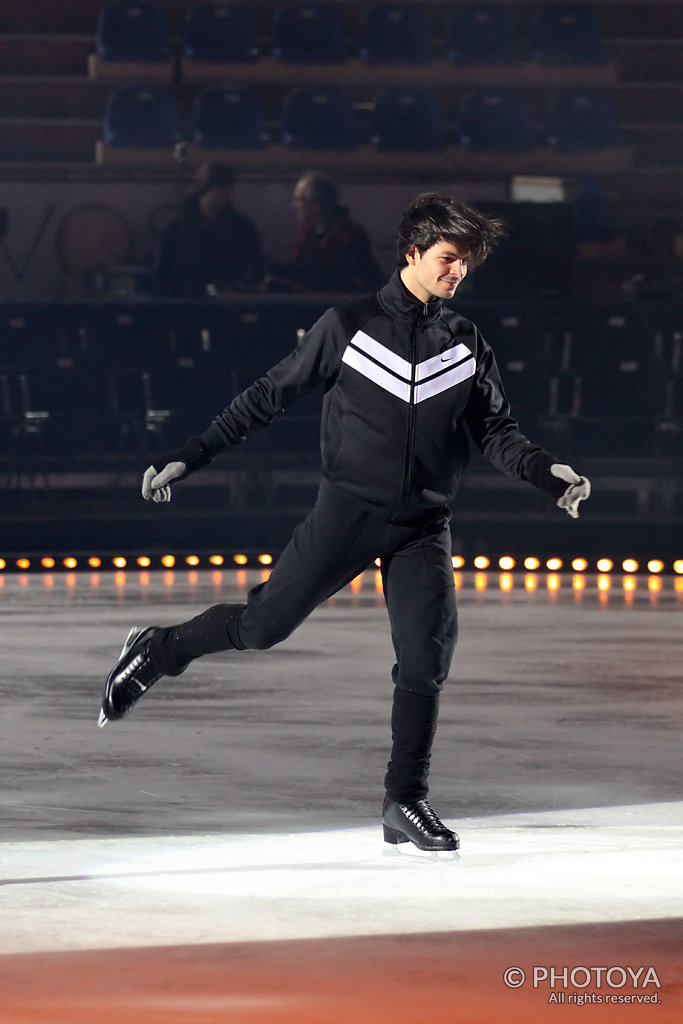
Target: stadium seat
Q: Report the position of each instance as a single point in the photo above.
(220, 32)
(568, 34)
(406, 119)
(318, 119)
(523, 354)
(141, 118)
(628, 330)
(495, 121)
(308, 34)
(130, 333)
(226, 118)
(592, 213)
(134, 31)
(394, 33)
(581, 120)
(482, 34)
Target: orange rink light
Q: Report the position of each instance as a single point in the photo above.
(655, 565)
(119, 562)
(579, 565)
(143, 561)
(458, 561)
(481, 562)
(3, 563)
(678, 566)
(629, 565)
(47, 563)
(168, 561)
(70, 563)
(216, 560)
(94, 562)
(506, 562)
(23, 563)
(532, 563)
(604, 565)
(265, 559)
(240, 559)
(192, 560)
(554, 564)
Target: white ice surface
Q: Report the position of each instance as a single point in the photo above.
(560, 867)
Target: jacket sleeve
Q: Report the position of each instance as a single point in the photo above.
(497, 434)
(314, 359)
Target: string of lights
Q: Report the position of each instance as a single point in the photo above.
(240, 560)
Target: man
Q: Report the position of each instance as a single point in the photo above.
(210, 246)
(403, 375)
(333, 252)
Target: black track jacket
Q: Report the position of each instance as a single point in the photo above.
(401, 378)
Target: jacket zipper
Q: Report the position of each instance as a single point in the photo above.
(410, 432)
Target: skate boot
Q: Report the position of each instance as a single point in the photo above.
(416, 822)
(131, 676)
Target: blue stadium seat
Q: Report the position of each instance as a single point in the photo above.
(496, 121)
(220, 32)
(581, 120)
(406, 119)
(592, 213)
(568, 34)
(227, 118)
(308, 34)
(523, 354)
(394, 33)
(141, 118)
(482, 34)
(135, 31)
(318, 119)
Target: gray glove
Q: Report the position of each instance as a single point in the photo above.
(172, 467)
(578, 490)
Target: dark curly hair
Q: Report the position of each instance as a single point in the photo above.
(432, 217)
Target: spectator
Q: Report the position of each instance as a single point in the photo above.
(333, 252)
(210, 246)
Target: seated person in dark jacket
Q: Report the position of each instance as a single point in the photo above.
(209, 247)
(333, 252)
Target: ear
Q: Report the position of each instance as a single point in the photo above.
(412, 256)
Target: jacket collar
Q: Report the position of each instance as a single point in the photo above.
(399, 302)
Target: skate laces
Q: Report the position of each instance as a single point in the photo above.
(139, 671)
(424, 817)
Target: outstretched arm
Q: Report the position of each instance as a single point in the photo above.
(314, 359)
(498, 436)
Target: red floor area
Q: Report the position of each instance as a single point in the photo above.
(402, 979)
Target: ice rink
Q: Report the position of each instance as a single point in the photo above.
(217, 855)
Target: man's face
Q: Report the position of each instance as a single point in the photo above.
(436, 272)
(302, 201)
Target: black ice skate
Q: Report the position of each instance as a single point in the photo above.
(131, 676)
(415, 822)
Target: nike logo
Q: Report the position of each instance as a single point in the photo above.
(447, 358)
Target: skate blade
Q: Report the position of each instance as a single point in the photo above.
(102, 720)
(412, 853)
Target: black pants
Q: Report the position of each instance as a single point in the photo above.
(338, 540)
